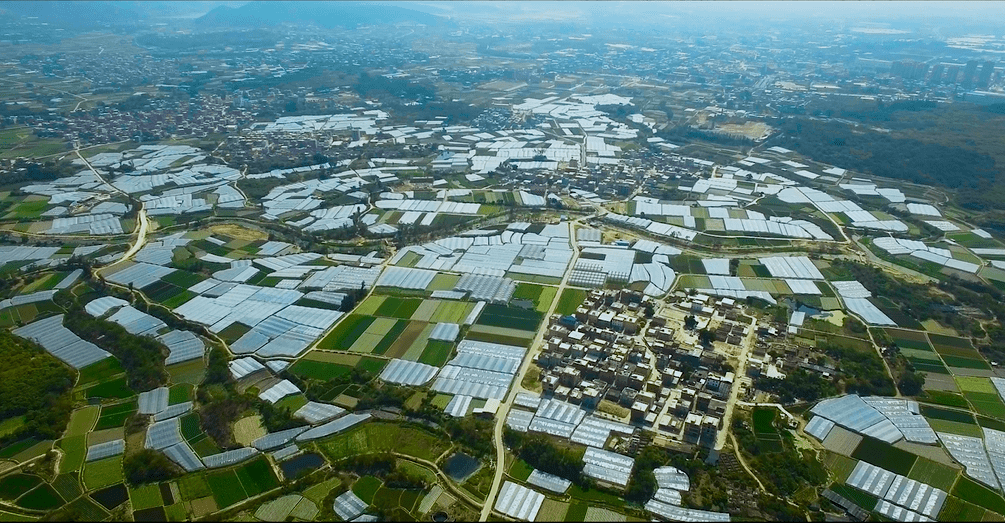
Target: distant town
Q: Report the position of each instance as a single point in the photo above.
(317, 261)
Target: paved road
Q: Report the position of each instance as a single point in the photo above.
(517, 387)
(143, 224)
(727, 418)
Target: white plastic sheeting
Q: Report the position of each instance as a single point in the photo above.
(969, 451)
(519, 502)
(607, 466)
(406, 372)
(279, 391)
(61, 342)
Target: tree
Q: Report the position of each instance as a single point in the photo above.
(690, 322)
(649, 310)
(148, 466)
(911, 382)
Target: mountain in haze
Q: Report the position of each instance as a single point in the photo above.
(325, 14)
(92, 14)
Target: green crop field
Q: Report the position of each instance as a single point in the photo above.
(115, 415)
(950, 341)
(955, 509)
(965, 363)
(68, 486)
(934, 473)
(520, 470)
(989, 404)
(950, 399)
(145, 496)
(370, 305)
(371, 365)
(16, 484)
(509, 317)
(74, 453)
(345, 334)
(443, 282)
(955, 427)
(257, 476)
(103, 472)
(319, 370)
(193, 486)
(226, 488)
(973, 492)
(436, 352)
(190, 428)
(570, 300)
(42, 497)
(183, 279)
(180, 393)
(401, 308)
(390, 337)
(99, 371)
(366, 488)
(958, 416)
(384, 437)
(116, 388)
(527, 291)
(451, 311)
(81, 420)
(862, 499)
(970, 384)
(884, 455)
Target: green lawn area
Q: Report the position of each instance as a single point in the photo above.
(570, 300)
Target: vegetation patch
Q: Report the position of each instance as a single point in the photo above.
(346, 333)
(510, 317)
(436, 353)
(385, 437)
(16, 484)
(319, 370)
(74, 453)
(115, 415)
(226, 488)
(568, 302)
(42, 497)
(103, 472)
(934, 473)
(973, 492)
(884, 455)
(111, 497)
(366, 488)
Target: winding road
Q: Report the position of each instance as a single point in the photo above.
(500, 464)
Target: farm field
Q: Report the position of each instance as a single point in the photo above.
(436, 353)
(382, 437)
(934, 473)
(569, 301)
(885, 455)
